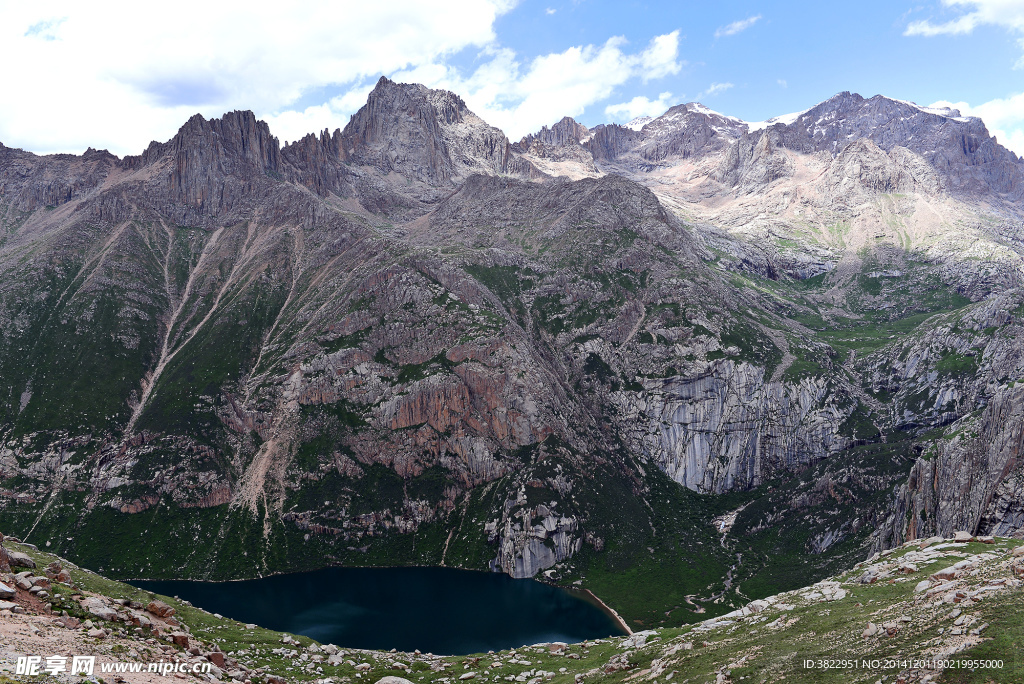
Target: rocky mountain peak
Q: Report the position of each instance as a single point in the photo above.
(567, 131)
(234, 141)
(968, 158)
(428, 135)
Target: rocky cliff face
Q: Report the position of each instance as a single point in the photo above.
(412, 341)
(731, 428)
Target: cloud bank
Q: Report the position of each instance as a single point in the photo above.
(116, 74)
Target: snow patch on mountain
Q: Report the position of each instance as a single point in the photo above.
(639, 122)
(786, 119)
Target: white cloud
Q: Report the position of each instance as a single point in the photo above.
(639, 106)
(715, 89)
(1003, 117)
(130, 73)
(550, 11)
(737, 26)
(782, 82)
(520, 99)
(116, 74)
(1006, 13)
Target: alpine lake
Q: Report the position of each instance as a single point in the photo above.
(436, 610)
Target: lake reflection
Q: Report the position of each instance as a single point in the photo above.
(435, 610)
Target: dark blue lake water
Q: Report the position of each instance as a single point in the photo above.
(435, 610)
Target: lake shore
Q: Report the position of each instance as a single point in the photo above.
(591, 597)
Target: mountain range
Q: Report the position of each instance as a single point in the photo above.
(727, 358)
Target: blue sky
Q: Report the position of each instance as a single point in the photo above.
(117, 74)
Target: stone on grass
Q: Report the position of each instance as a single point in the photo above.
(20, 560)
(962, 536)
(944, 574)
(98, 608)
(160, 609)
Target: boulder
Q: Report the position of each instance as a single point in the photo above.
(7, 605)
(98, 608)
(216, 657)
(23, 583)
(833, 594)
(462, 677)
(1017, 552)
(963, 536)
(757, 606)
(402, 680)
(70, 622)
(922, 586)
(637, 639)
(986, 540)
(180, 639)
(870, 631)
(274, 679)
(7, 592)
(138, 619)
(160, 609)
(97, 633)
(20, 560)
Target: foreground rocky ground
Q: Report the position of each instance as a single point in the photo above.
(889, 619)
